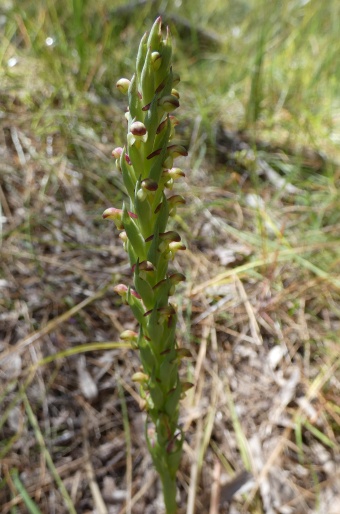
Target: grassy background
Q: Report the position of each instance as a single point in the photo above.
(260, 116)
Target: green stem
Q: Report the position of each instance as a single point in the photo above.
(169, 492)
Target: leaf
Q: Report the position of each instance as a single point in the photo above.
(134, 235)
(143, 289)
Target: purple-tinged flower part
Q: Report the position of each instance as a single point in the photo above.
(150, 238)
(159, 284)
(172, 173)
(160, 87)
(165, 352)
(176, 278)
(185, 386)
(173, 120)
(138, 129)
(140, 96)
(170, 235)
(146, 107)
(158, 208)
(122, 290)
(127, 158)
(173, 151)
(156, 60)
(175, 200)
(154, 153)
(168, 238)
(175, 247)
(137, 133)
(168, 103)
(172, 445)
(144, 266)
(116, 215)
(182, 353)
(149, 185)
(117, 152)
(166, 313)
(177, 150)
(129, 335)
(140, 377)
(175, 93)
(123, 85)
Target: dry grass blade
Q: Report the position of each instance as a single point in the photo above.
(53, 324)
(261, 227)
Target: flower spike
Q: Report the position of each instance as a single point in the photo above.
(146, 166)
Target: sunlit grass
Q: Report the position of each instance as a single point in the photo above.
(269, 70)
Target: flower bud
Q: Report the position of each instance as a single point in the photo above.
(123, 236)
(147, 186)
(122, 290)
(173, 120)
(174, 247)
(177, 150)
(129, 335)
(123, 85)
(172, 173)
(140, 377)
(170, 235)
(156, 60)
(176, 278)
(168, 238)
(117, 152)
(175, 200)
(168, 103)
(137, 133)
(116, 215)
(138, 129)
(144, 266)
(169, 175)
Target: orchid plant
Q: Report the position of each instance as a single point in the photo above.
(147, 166)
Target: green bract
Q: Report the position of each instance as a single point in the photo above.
(146, 164)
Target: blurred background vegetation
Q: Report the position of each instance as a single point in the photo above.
(260, 116)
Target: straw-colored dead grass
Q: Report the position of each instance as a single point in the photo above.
(259, 317)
